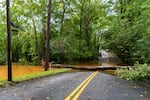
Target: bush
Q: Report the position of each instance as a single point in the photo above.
(138, 72)
(2, 60)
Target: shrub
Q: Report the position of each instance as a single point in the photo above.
(2, 60)
(138, 72)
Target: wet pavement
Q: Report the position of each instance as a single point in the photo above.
(109, 87)
(102, 87)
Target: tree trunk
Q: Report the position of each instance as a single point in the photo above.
(87, 37)
(48, 36)
(36, 41)
(62, 19)
(80, 34)
(9, 42)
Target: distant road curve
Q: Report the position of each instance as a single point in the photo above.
(108, 58)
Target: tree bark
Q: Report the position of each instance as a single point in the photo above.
(86, 27)
(36, 41)
(62, 19)
(9, 42)
(80, 34)
(48, 36)
(85, 67)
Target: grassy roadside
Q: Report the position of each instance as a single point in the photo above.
(34, 76)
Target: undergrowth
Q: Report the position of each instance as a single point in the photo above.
(137, 72)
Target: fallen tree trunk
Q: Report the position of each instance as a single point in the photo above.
(84, 67)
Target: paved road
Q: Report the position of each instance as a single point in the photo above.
(109, 58)
(98, 86)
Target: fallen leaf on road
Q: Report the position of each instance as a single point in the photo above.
(52, 89)
(89, 98)
(145, 92)
(141, 95)
(30, 98)
(104, 84)
(126, 94)
(122, 86)
(134, 86)
(47, 98)
(110, 89)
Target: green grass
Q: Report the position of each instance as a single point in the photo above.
(4, 83)
(33, 76)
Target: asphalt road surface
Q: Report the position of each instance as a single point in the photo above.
(77, 86)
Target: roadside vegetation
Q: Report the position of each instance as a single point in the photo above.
(128, 35)
(136, 72)
(34, 76)
(73, 35)
(78, 30)
(128, 32)
(40, 74)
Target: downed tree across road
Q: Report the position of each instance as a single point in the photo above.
(87, 67)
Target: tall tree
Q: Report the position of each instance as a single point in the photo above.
(63, 15)
(9, 41)
(128, 33)
(48, 36)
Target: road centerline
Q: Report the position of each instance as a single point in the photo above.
(79, 89)
(84, 86)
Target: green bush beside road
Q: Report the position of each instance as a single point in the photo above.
(137, 72)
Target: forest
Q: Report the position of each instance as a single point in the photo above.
(79, 29)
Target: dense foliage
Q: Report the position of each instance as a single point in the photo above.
(128, 33)
(138, 72)
(74, 26)
(78, 29)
